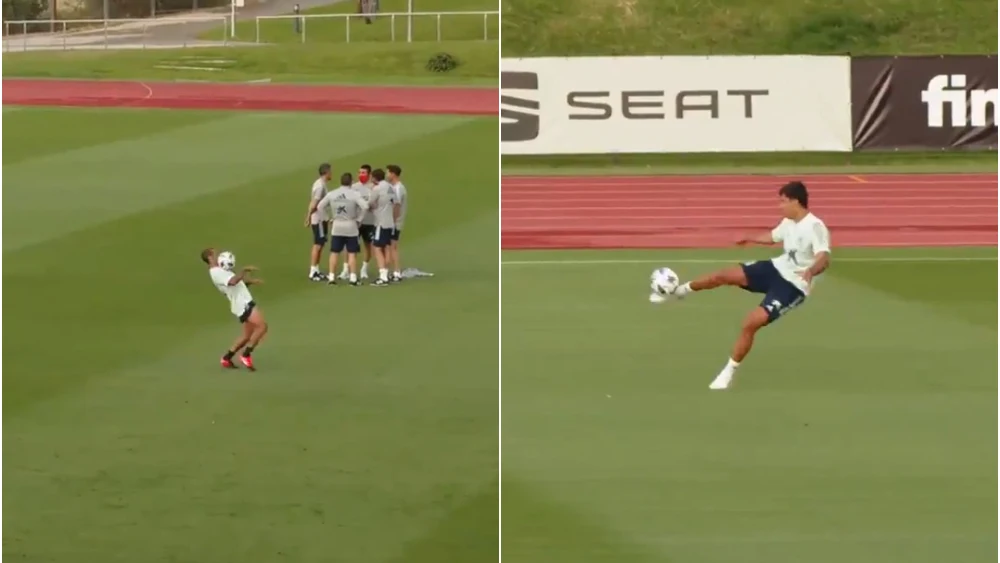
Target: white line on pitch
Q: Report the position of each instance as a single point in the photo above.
(730, 260)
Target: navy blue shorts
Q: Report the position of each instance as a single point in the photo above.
(339, 244)
(320, 231)
(780, 295)
(383, 237)
(367, 232)
(396, 233)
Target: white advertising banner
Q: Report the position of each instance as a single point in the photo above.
(598, 105)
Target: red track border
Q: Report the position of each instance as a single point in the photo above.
(871, 210)
(273, 97)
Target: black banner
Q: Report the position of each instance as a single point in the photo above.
(936, 102)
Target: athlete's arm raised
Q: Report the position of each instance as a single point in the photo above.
(764, 239)
(243, 276)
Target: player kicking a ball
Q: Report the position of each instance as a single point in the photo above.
(785, 281)
(241, 304)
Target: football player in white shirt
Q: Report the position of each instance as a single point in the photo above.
(241, 305)
(317, 220)
(393, 173)
(785, 281)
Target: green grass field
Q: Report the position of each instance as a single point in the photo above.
(326, 63)
(368, 433)
(383, 29)
(673, 27)
(861, 428)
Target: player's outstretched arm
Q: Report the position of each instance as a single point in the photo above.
(242, 276)
(763, 239)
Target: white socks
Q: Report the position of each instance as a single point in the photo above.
(343, 276)
(313, 270)
(363, 271)
(683, 290)
(383, 274)
(725, 377)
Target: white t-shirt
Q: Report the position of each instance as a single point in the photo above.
(802, 241)
(238, 295)
(365, 191)
(400, 190)
(318, 191)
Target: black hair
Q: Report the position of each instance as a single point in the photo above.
(378, 174)
(205, 254)
(395, 169)
(324, 168)
(797, 191)
(346, 179)
(366, 167)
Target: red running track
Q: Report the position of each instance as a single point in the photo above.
(271, 97)
(563, 212)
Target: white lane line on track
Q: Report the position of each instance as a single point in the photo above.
(598, 262)
(956, 196)
(727, 184)
(771, 177)
(739, 208)
(836, 217)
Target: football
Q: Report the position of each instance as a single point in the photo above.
(663, 281)
(226, 260)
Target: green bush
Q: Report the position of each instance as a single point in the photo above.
(442, 62)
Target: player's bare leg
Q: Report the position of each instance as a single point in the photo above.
(352, 267)
(381, 259)
(258, 329)
(368, 258)
(314, 256)
(334, 257)
(227, 358)
(346, 272)
(753, 322)
(733, 276)
(393, 261)
(364, 265)
(397, 264)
